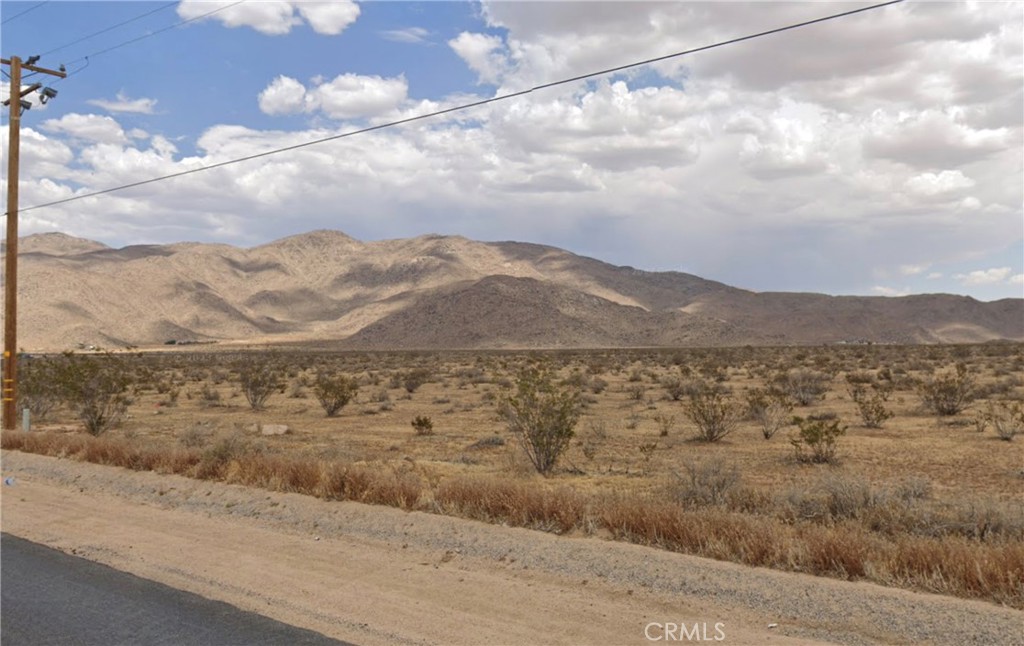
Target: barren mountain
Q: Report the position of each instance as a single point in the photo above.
(439, 292)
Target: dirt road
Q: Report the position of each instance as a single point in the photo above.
(375, 575)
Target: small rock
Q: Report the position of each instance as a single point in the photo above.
(773, 625)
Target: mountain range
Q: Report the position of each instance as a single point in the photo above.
(438, 292)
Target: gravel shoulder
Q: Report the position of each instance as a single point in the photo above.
(374, 575)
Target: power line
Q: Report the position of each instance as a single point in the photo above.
(158, 31)
(465, 106)
(22, 13)
(110, 28)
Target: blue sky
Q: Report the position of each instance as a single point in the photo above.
(877, 154)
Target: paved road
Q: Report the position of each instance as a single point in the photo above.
(48, 597)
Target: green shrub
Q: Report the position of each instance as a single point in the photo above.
(423, 425)
(334, 392)
(258, 380)
(415, 378)
(542, 415)
(950, 393)
(95, 387)
(817, 439)
(713, 412)
(870, 399)
(37, 386)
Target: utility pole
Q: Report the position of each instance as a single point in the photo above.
(10, 358)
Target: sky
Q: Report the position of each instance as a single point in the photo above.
(875, 154)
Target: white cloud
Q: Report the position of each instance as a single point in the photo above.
(931, 184)
(483, 54)
(351, 95)
(889, 291)
(879, 157)
(985, 276)
(124, 104)
(329, 18)
(1016, 279)
(284, 95)
(412, 35)
(347, 96)
(276, 17)
(912, 270)
(89, 127)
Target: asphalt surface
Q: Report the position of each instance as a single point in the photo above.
(48, 597)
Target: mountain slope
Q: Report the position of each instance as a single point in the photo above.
(439, 292)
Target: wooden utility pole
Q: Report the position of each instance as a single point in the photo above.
(10, 358)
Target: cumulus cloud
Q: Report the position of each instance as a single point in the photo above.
(483, 53)
(931, 184)
(276, 17)
(284, 95)
(347, 96)
(985, 276)
(124, 104)
(883, 157)
(89, 127)
(330, 18)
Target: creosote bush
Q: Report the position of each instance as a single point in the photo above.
(95, 387)
(334, 392)
(770, 408)
(258, 380)
(1006, 417)
(713, 412)
(870, 399)
(423, 425)
(38, 387)
(542, 415)
(817, 439)
(804, 386)
(949, 393)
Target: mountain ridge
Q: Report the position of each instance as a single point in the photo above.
(435, 292)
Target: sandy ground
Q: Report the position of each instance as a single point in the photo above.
(375, 575)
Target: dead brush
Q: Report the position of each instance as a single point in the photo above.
(514, 503)
(359, 483)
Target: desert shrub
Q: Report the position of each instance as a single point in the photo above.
(870, 399)
(209, 396)
(95, 387)
(770, 409)
(636, 392)
(665, 422)
(804, 386)
(714, 413)
(949, 393)
(413, 379)
(817, 439)
(423, 425)
(705, 483)
(334, 392)
(258, 381)
(1006, 417)
(37, 386)
(674, 387)
(542, 415)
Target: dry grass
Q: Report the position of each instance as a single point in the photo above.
(926, 503)
(522, 504)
